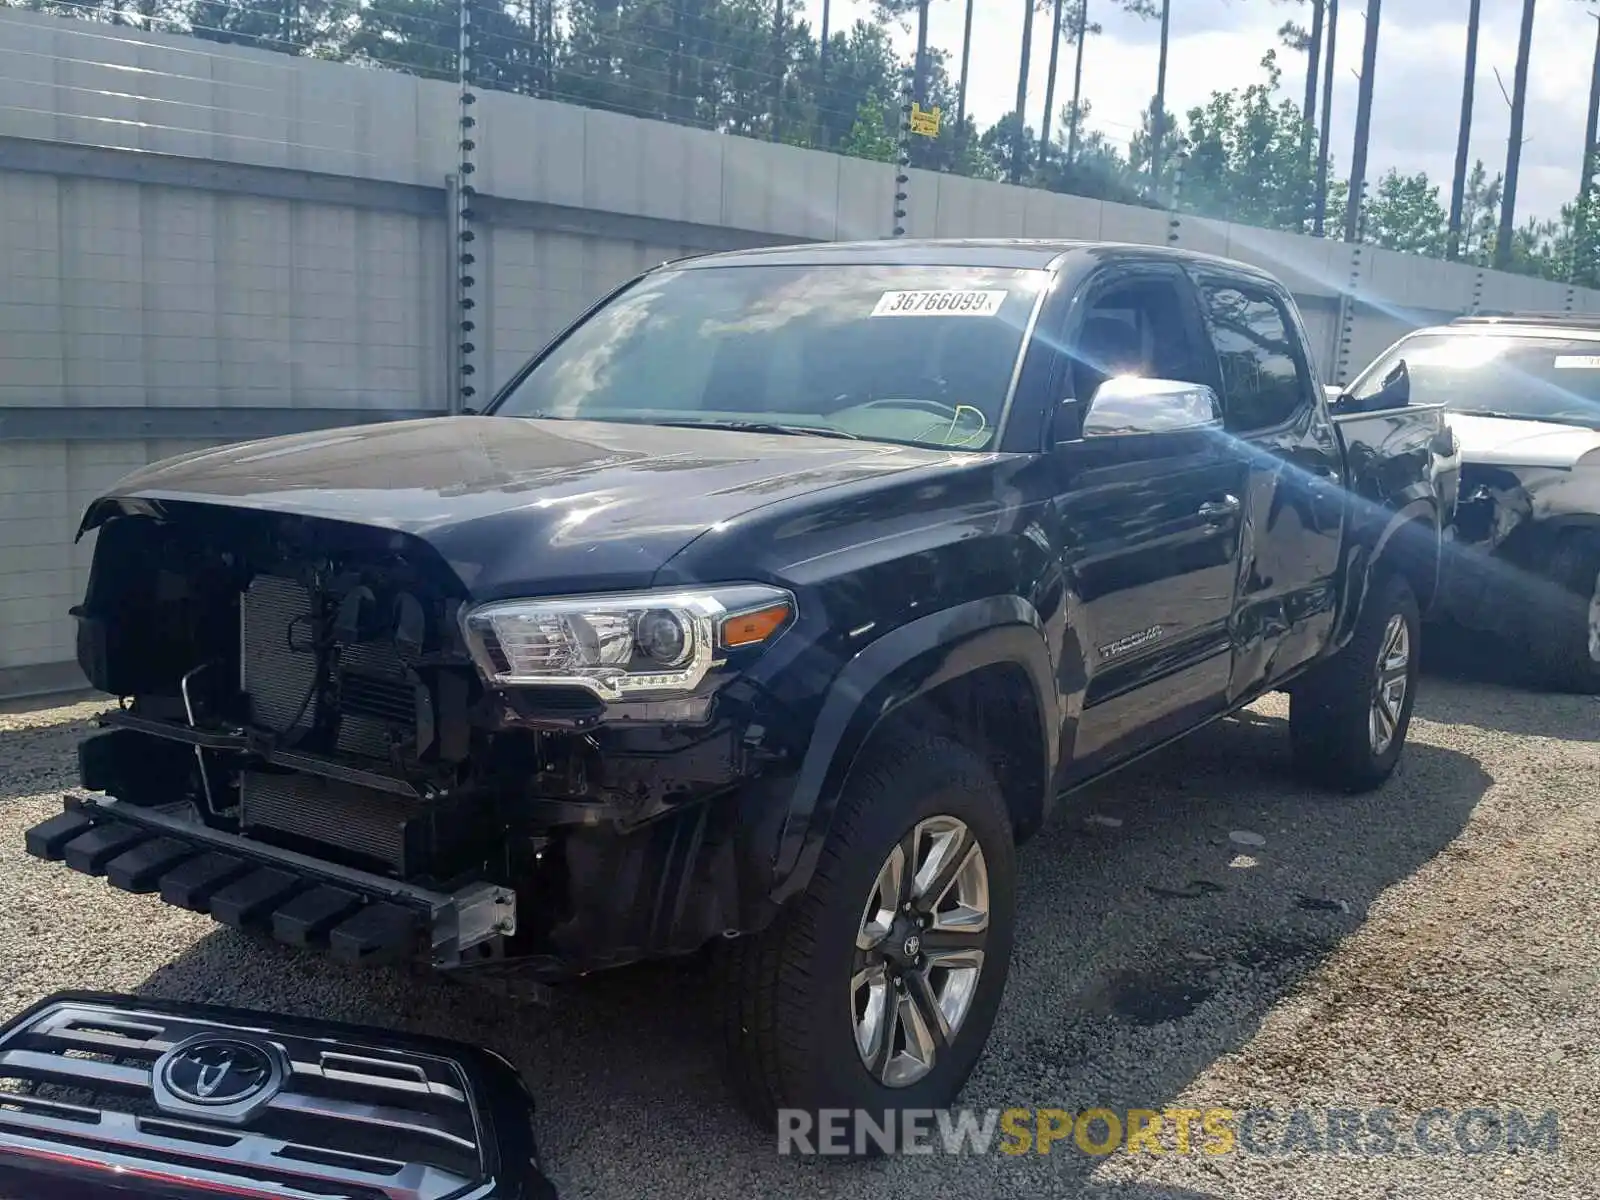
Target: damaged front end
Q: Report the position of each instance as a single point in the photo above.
(1508, 522)
(307, 747)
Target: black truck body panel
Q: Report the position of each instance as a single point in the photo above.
(1091, 605)
(493, 498)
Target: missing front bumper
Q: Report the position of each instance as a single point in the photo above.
(95, 1093)
(302, 901)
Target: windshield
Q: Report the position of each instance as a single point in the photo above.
(922, 355)
(1542, 378)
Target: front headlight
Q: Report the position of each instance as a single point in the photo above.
(622, 645)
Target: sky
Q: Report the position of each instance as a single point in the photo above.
(1218, 45)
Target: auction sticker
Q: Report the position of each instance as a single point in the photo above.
(1578, 362)
(952, 303)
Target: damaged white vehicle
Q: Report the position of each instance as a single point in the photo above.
(1523, 396)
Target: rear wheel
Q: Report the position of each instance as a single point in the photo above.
(1348, 719)
(1562, 641)
(877, 989)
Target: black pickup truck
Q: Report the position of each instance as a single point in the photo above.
(768, 610)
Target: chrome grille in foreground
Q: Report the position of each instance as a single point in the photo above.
(110, 1084)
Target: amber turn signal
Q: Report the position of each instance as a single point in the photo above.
(753, 628)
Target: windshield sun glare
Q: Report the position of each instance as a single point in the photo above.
(921, 355)
(1536, 378)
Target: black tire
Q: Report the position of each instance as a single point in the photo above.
(1330, 710)
(788, 1018)
(1556, 640)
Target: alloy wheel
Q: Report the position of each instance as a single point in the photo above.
(919, 950)
(1389, 688)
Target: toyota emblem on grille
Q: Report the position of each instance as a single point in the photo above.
(227, 1078)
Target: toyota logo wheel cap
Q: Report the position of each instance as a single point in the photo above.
(218, 1078)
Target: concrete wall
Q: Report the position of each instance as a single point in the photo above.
(130, 295)
(200, 243)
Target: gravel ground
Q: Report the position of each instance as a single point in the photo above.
(1432, 945)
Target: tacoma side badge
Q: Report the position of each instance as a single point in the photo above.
(1132, 642)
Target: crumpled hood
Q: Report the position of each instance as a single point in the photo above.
(513, 503)
(1499, 441)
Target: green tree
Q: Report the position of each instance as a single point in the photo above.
(285, 26)
(1099, 169)
(1246, 160)
(860, 69)
(956, 149)
(1009, 145)
(1069, 19)
(716, 63)
(1583, 215)
(1142, 143)
(755, 68)
(1404, 213)
(888, 11)
(871, 136)
(1561, 249)
(1480, 212)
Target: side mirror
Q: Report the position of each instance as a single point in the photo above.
(1133, 407)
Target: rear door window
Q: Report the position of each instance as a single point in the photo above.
(1265, 379)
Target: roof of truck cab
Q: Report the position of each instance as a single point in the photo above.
(1018, 253)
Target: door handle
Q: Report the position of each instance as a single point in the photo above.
(1217, 510)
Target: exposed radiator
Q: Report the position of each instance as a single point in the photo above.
(378, 706)
(277, 666)
(376, 700)
(354, 818)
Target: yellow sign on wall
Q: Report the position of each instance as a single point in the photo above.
(924, 121)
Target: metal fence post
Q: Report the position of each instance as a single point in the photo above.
(902, 154)
(463, 322)
(1347, 316)
(452, 293)
(1347, 300)
(1180, 166)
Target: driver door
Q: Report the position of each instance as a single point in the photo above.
(1150, 528)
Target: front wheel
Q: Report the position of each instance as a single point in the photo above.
(1348, 718)
(877, 989)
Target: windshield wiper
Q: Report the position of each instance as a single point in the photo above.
(827, 431)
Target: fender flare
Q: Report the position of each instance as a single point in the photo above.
(898, 667)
